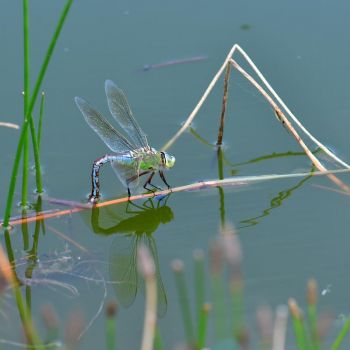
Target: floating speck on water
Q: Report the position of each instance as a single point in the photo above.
(327, 290)
(246, 26)
(126, 13)
(66, 49)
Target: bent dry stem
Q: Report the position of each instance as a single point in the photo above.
(277, 110)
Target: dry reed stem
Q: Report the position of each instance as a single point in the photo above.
(236, 47)
(67, 239)
(223, 108)
(9, 125)
(280, 328)
(232, 181)
(287, 124)
(6, 269)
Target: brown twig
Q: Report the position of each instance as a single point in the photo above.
(232, 181)
(223, 108)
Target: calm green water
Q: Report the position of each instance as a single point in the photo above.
(290, 230)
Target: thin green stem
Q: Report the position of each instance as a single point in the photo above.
(312, 315)
(202, 326)
(184, 301)
(37, 86)
(41, 116)
(199, 284)
(343, 332)
(39, 182)
(110, 333)
(158, 342)
(25, 99)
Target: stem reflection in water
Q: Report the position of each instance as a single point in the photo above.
(132, 224)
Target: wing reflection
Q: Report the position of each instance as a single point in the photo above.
(132, 224)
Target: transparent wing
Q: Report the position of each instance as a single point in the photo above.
(120, 109)
(122, 268)
(128, 171)
(161, 293)
(110, 136)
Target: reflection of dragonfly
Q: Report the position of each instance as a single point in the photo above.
(137, 228)
(132, 159)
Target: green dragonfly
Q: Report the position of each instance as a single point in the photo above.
(132, 159)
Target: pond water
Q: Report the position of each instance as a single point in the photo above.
(290, 229)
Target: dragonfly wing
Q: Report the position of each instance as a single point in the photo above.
(110, 136)
(120, 109)
(122, 268)
(127, 170)
(162, 301)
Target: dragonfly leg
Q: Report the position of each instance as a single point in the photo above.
(161, 174)
(148, 182)
(95, 176)
(133, 178)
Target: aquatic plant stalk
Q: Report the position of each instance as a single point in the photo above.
(41, 116)
(158, 342)
(111, 326)
(147, 269)
(299, 328)
(278, 112)
(181, 286)
(30, 332)
(312, 313)
(280, 328)
(287, 124)
(343, 332)
(29, 111)
(223, 108)
(199, 283)
(211, 85)
(25, 100)
(202, 325)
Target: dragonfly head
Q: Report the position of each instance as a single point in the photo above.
(168, 161)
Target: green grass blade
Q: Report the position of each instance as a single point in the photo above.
(111, 325)
(199, 283)
(202, 326)
(41, 116)
(37, 86)
(25, 99)
(181, 285)
(343, 332)
(158, 342)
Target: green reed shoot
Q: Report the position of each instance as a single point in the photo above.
(181, 285)
(218, 291)
(202, 325)
(298, 325)
(343, 332)
(41, 116)
(111, 325)
(25, 99)
(312, 313)
(199, 282)
(28, 118)
(158, 342)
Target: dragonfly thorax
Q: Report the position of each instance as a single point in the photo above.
(151, 159)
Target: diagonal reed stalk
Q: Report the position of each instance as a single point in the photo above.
(6, 270)
(28, 119)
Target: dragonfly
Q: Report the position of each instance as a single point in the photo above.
(132, 158)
